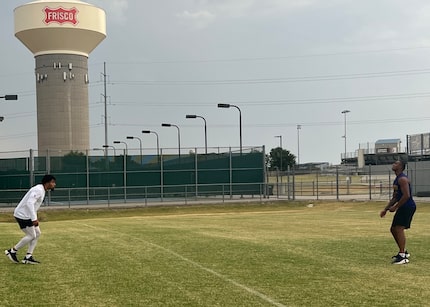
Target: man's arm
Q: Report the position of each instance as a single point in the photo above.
(31, 203)
(390, 204)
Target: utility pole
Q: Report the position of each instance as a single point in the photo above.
(105, 104)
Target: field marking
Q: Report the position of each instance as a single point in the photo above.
(196, 264)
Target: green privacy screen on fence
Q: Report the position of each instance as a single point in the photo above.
(82, 176)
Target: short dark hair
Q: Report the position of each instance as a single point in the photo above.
(403, 164)
(48, 178)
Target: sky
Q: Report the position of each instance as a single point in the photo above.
(283, 63)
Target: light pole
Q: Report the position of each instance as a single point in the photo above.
(179, 136)
(9, 97)
(227, 105)
(344, 112)
(140, 144)
(109, 146)
(206, 132)
(125, 167)
(126, 147)
(298, 143)
(158, 142)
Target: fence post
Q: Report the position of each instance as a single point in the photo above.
(261, 192)
(313, 188)
(48, 171)
(196, 172)
(87, 163)
(288, 181)
(146, 196)
(231, 172)
(161, 175)
(370, 182)
(389, 182)
(337, 182)
(294, 183)
(31, 167)
(68, 190)
(317, 186)
(125, 175)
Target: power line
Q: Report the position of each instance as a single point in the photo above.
(309, 124)
(268, 58)
(258, 103)
(368, 75)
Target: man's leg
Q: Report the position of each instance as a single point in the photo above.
(399, 236)
(30, 235)
(33, 243)
(30, 238)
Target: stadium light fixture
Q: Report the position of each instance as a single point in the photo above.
(158, 141)
(179, 135)
(206, 132)
(140, 143)
(227, 105)
(9, 97)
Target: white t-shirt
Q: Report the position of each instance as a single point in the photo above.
(30, 203)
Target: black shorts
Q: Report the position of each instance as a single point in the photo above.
(24, 223)
(403, 216)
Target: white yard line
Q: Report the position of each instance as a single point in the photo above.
(198, 265)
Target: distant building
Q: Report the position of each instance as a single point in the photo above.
(387, 146)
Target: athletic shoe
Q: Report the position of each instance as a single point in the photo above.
(11, 256)
(407, 255)
(30, 260)
(400, 260)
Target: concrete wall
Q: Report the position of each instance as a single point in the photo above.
(62, 102)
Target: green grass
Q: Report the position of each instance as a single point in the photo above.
(279, 254)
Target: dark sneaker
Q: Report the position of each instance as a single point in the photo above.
(11, 256)
(407, 255)
(30, 260)
(400, 260)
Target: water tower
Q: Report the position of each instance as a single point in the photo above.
(61, 34)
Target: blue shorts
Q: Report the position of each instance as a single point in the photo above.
(403, 216)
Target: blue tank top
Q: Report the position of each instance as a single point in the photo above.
(410, 202)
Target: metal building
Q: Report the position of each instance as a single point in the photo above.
(61, 34)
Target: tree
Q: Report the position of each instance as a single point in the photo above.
(280, 159)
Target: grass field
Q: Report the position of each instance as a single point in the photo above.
(278, 254)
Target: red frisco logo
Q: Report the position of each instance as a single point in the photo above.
(61, 15)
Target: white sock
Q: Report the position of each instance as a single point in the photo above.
(403, 255)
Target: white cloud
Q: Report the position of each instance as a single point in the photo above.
(210, 10)
(239, 8)
(116, 10)
(199, 19)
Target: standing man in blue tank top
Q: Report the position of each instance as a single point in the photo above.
(403, 204)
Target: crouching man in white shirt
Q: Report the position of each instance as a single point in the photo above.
(26, 216)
